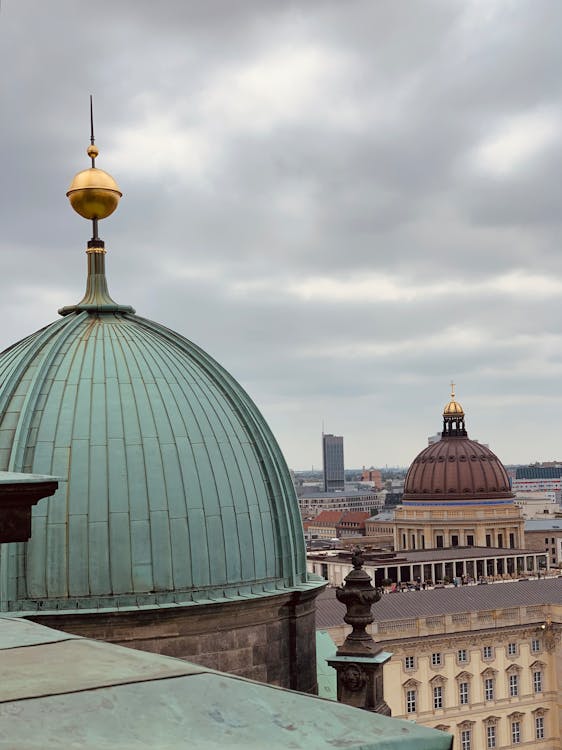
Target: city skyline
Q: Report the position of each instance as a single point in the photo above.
(346, 205)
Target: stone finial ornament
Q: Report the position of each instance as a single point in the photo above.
(358, 596)
(359, 660)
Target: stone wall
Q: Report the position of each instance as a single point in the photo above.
(269, 639)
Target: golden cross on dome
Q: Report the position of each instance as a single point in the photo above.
(452, 390)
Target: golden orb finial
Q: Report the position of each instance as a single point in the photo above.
(93, 193)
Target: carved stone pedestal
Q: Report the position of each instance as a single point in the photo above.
(360, 682)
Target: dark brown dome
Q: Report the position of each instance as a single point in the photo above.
(457, 469)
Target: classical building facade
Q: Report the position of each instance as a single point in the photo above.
(482, 663)
(457, 494)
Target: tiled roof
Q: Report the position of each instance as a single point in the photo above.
(327, 516)
(355, 516)
(329, 612)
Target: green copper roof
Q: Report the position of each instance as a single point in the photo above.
(63, 691)
(172, 487)
(327, 677)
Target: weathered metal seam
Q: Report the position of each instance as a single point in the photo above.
(37, 341)
(117, 345)
(268, 445)
(136, 347)
(251, 415)
(192, 377)
(37, 382)
(9, 552)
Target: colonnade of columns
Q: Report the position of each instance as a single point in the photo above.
(467, 568)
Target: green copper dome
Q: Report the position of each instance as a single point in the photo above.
(173, 489)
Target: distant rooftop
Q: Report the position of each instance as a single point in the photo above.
(539, 524)
(329, 612)
(384, 515)
(340, 495)
(538, 472)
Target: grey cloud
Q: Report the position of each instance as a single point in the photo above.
(373, 176)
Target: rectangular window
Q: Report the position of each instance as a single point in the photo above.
(470, 540)
(539, 727)
(438, 697)
(439, 541)
(515, 732)
(462, 656)
(411, 696)
(537, 682)
(489, 688)
(436, 659)
(454, 540)
(488, 540)
(513, 685)
(491, 736)
(535, 645)
(487, 652)
(409, 662)
(512, 541)
(512, 649)
(466, 739)
(463, 693)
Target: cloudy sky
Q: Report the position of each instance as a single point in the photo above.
(347, 203)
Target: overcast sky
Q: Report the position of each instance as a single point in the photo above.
(346, 203)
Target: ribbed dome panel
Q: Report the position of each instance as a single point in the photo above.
(173, 488)
(456, 469)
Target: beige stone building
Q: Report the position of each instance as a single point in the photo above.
(537, 505)
(545, 535)
(480, 662)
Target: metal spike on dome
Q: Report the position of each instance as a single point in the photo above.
(95, 195)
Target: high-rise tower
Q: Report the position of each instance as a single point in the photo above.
(332, 457)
